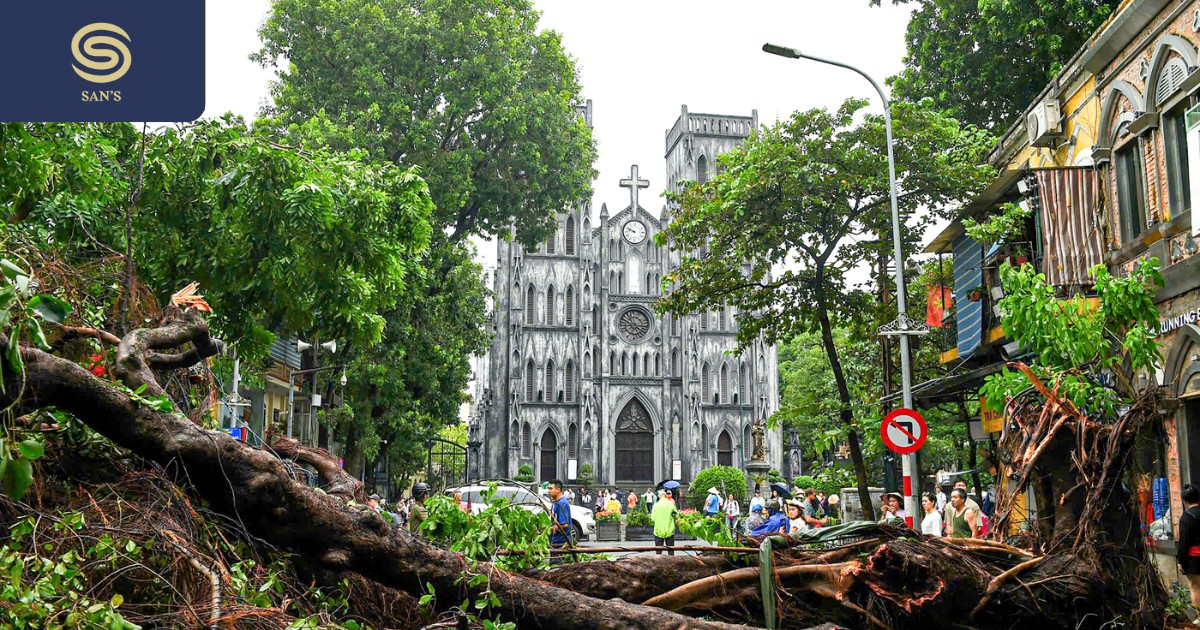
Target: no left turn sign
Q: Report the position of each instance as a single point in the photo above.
(904, 431)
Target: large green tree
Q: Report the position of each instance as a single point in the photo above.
(984, 61)
(793, 202)
(469, 90)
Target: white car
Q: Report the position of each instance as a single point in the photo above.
(582, 519)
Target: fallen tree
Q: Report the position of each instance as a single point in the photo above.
(1089, 567)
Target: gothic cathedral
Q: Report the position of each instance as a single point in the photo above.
(582, 370)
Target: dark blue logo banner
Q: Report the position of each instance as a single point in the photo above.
(102, 61)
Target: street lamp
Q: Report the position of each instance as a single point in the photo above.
(903, 326)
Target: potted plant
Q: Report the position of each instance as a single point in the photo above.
(1019, 256)
(638, 526)
(524, 474)
(608, 526)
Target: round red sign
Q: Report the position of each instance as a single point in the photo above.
(904, 431)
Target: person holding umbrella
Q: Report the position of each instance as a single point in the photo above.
(779, 494)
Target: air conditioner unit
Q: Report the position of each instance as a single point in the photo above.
(1044, 124)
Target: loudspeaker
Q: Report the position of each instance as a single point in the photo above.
(331, 346)
(302, 346)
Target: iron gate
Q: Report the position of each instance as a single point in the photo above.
(446, 465)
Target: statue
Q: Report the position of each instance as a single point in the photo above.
(760, 446)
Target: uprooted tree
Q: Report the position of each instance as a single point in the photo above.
(1068, 437)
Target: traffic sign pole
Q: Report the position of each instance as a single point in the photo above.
(904, 431)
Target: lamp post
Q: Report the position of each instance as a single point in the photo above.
(903, 326)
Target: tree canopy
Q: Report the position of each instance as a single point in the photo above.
(985, 61)
(470, 91)
(799, 205)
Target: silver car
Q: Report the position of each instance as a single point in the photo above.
(582, 519)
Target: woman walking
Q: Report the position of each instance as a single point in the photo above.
(931, 524)
(1189, 541)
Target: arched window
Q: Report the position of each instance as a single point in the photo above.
(703, 320)
(587, 230)
(743, 390)
(569, 307)
(550, 244)
(530, 378)
(724, 322)
(724, 449)
(572, 441)
(612, 363)
(550, 306)
(595, 320)
(658, 364)
(701, 169)
(723, 395)
(587, 362)
(747, 444)
(596, 362)
(633, 272)
(549, 380)
(514, 435)
(705, 384)
(635, 364)
(650, 284)
(620, 282)
(624, 363)
(569, 236)
(531, 305)
(646, 364)
(526, 440)
(674, 324)
(569, 382)
(612, 249)
(675, 363)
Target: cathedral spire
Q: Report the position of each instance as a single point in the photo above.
(603, 211)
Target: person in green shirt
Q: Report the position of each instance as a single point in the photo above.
(418, 513)
(663, 516)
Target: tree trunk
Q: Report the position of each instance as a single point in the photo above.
(839, 378)
(253, 487)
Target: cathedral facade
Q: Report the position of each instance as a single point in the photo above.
(583, 371)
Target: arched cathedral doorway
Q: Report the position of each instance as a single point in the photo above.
(634, 445)
(549, 457)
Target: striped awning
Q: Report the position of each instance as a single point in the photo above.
(1071, 225)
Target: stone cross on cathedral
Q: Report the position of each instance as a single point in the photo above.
(633, 184)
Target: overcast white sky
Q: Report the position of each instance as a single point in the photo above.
(639, 61)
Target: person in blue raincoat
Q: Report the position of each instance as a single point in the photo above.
(776, 523)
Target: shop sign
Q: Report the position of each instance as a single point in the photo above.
(1179, 321)
(993, 421)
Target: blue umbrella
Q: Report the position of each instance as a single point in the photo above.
(670, 485)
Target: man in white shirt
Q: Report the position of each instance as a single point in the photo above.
(941, 499)
(757, 500)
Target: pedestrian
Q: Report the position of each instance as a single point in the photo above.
(601, 500)
(733, 512)
(1188, 553)
(796, 522)
(757, 500)
(893, 507)
(962, 485)
(373, 503)
(613, 506)
(585, 498)
(663, 517)
(941, 499)
(648, 499)
(712, 503)
(560, 529)
(633, 500)
(931, 524)
(961, 516)
(776, 523)
(824, 501)
(756, 517)
(417, 512)
(812, 512)
(569, 495)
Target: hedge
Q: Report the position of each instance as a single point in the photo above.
(735, 484)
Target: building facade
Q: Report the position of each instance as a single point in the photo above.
(583, 371)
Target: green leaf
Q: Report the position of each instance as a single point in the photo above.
(17, 478)
(117, 600)
(11, 270)
(8, 295)
(39, 337)
(31, 449)
(50, 308)
(13, 353)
